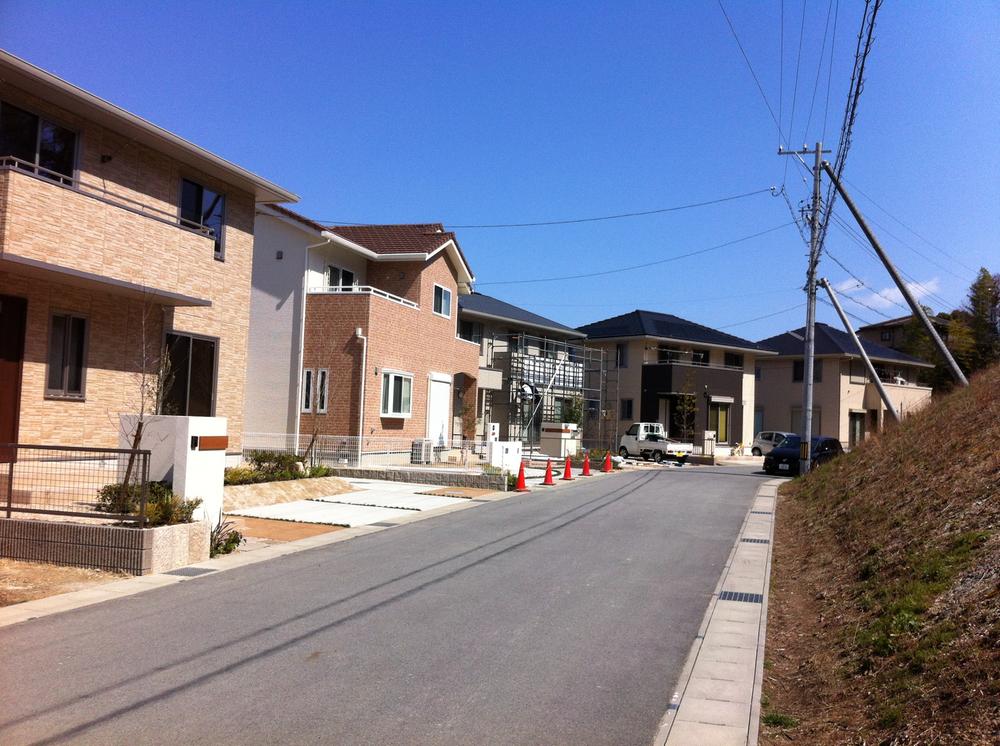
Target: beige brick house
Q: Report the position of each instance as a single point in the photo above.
(354, 331)
(846, 404)
(118, 239)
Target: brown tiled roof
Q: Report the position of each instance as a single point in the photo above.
(419, 238)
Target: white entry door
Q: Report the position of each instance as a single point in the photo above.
(438, 410)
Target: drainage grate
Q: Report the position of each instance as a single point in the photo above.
(756, 541)
(384, 524)
(761, 512)
(750, 598)
(190, 572)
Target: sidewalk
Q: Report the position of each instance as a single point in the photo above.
(717, 702)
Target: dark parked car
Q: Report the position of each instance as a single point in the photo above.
(784, 460)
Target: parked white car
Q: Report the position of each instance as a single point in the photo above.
(649, 440)
(766, 441)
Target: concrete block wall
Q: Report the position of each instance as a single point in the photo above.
(125, 549)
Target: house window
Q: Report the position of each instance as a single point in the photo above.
(397, 389)
(442, 301)
(756, 373)
(67, 356)
(796, 420)
(718, 420)
(699, 357)
(46, 148)
(626, 408)
(337, 277)
(471, 331)
(887, 335)
(514, 342)
(858, 372)
(307, 390)
(189, 388)
(203, 208)
(733, 360)
(621, 355)
(798, 370)
(322, 392)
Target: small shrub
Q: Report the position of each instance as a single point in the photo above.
(225, 538)
(274, 461)
(111, 499)
(319, 471)
(511, 482)
(163, 507)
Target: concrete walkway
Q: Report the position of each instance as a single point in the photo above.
(374, 501)
(718, 698)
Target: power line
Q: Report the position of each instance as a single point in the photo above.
(673, 299)
(865, 285)
(637, 266)
(584, 220)
(850, 231)
(819, 69)
(829, 72)
(765, 316)
(853, 316)
(795, 88)
(955, 259)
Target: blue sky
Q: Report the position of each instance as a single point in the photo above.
(473, 113)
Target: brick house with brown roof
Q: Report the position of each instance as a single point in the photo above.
(117, 239)
(354, 331)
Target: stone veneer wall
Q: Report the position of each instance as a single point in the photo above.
(442, 477)
(132, 550)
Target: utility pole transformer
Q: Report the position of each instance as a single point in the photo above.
(917, 309)
(809, 353)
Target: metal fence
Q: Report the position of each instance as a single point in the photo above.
(67, 480)
(372, 452)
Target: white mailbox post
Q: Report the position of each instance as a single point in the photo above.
(188, 452)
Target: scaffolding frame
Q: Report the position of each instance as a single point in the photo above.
(540, 376)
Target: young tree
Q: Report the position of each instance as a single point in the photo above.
(685, 408)
(983, 309)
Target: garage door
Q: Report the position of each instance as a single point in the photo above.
(438, 410)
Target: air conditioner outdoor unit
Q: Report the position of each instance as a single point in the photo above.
(422, 451)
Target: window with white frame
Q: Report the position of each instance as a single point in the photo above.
(442, 301)
(307, 390)
(397, 391)
(338, 277)
(322, 389)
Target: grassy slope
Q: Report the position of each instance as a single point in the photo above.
(884, 623)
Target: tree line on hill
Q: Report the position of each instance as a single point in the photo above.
(971, 333)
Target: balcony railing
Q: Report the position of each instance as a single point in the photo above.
(690, 363)
(363, 290)
(95, 191)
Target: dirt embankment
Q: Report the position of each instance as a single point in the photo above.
(884, 616)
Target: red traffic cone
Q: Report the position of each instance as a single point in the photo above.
(567, 474)
(521, 486)
(548, 474)
(586, 464)
(607, 462)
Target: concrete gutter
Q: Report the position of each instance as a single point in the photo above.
(717, 698)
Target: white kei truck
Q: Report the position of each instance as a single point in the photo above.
(648, 440)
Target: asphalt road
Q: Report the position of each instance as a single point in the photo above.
(551, 618)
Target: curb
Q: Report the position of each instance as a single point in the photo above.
(43, 607)
(717, 697)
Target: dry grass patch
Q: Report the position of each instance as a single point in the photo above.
(27, 581)
(884, 617)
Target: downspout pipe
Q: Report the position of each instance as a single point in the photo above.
(364, 375)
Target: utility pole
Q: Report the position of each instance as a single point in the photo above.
(861, 350)
(917, 309)
(809, 353)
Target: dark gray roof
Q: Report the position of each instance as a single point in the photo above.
(831, 341)
(485, 305)
(653, 324)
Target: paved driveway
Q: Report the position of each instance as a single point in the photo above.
(553, 618)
